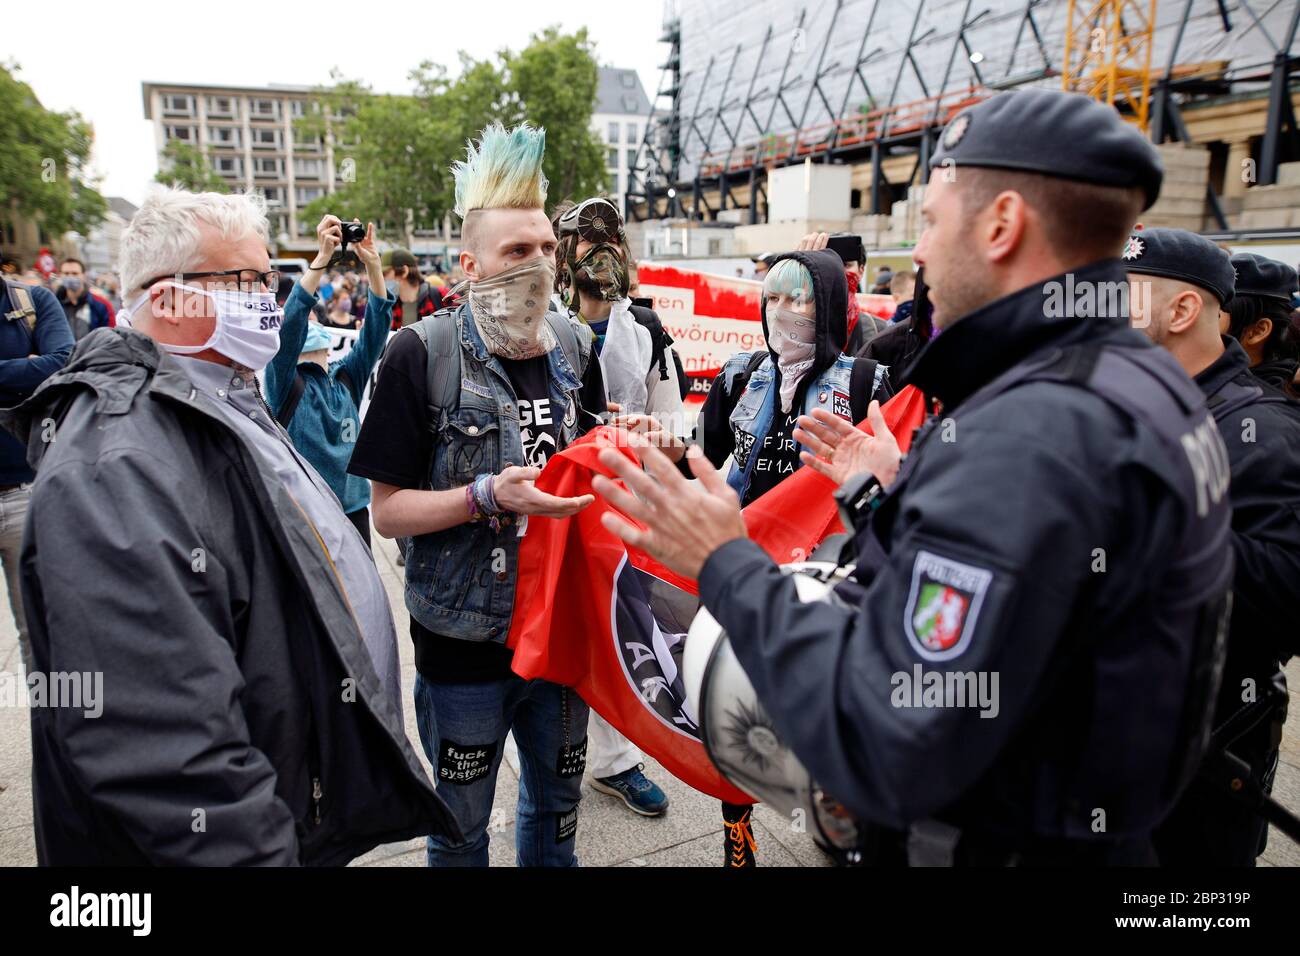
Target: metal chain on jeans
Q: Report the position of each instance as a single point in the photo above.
(564, 715)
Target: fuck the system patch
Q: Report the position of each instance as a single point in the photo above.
(464, 763)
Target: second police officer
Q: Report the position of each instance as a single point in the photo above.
(1183, 281)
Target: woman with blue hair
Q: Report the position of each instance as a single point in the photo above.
(317, 401)
(749, 417)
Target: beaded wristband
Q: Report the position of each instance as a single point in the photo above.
(485, 504)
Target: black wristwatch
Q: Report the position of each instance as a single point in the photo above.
(857, 498)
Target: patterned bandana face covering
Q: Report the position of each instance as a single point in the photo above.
(510, 309)
(794, 340)
(602, 273)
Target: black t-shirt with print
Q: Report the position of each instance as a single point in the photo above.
(539, 432)
(395, 446)
(777, 456)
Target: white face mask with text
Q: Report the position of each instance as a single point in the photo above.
(247, 330)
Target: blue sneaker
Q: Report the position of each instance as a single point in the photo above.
(641, 795)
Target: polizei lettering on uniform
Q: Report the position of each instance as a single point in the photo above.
(134, 910)
(1209, 460)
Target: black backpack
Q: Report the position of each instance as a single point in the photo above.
(440, 334)
(661, 347)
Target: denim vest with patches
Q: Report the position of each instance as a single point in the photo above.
(751, 419)
(461, 582)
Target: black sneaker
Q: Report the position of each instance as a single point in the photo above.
(738, 844)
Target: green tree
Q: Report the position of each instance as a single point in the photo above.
(185, 167)
(555, 80)
(43, 158)
(396, 151)
(388, 151)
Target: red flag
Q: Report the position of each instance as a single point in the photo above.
(610, 621)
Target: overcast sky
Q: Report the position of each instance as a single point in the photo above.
(94, 56)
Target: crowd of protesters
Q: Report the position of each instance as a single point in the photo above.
(204, 425)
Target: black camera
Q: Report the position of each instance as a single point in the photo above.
(353, 232)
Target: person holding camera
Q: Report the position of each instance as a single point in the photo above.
(317, 400)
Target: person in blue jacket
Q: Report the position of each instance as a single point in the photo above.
(317, 400)
(35, 342)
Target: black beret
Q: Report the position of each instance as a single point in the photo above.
(1179, 254)
(1263, 278)
(1053, 133)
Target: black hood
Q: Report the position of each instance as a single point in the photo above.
(830, 303)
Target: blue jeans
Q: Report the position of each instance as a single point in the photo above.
(463, 729)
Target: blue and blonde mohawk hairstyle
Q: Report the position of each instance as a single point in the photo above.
(502, 171)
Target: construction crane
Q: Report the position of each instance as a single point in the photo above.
(1108, 54)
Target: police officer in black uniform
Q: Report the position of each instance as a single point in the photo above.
(1182, 282)
(1060, 529)
(1259, 317)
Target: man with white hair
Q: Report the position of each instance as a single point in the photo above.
(251, 705)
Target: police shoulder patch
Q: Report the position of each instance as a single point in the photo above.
(943, 605)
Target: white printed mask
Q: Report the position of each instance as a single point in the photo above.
(793, 338)
(247, 330)
(510, 309)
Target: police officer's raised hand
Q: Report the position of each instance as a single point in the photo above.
(515, 491)
(684, 522)
(839, 451)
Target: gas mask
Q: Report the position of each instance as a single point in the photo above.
(601, 273)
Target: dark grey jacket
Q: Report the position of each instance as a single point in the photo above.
(984, 562)
(242, 719)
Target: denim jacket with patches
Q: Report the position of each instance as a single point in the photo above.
(751, 419)
(461, 582)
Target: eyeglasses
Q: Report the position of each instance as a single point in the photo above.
(248, 279)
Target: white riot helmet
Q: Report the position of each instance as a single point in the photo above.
(740, 737)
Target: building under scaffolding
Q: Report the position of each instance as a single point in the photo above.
(751, 86)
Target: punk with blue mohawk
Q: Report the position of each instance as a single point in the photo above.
(502, 171)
